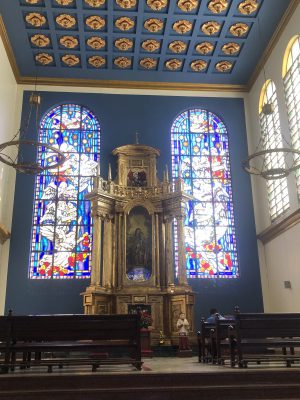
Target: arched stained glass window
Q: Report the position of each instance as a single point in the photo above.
(291, 80)
(278, 195)
(62, 224)
(200, 151)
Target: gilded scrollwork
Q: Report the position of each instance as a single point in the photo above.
(231, 48)
(33, 1)
(210, 28)
(248, 7)
(44, 58)
(70, 60)
(224, 66)
(198, 65)
(124, 44)
(204, 48)
(157, 5)
(96, 42)
(40, 40)
(66, 21)
(124, 23)
(173, 64)
(239, 29)
(148, 63)
(70, 42)
(182, 26)
(95, 22)
(64, 2)
(151, 45)
(154, 24)
(187, 5)
(36, 19)
(96, 61)
(217, 6)
(177, 46)
(122, 62)
(126, 3)
(95, 3)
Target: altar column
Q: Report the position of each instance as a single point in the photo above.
(169, 251)
(182, 279)
(96, 251)
(107, 253)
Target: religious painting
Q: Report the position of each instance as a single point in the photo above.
(137, 178)
(138, 245)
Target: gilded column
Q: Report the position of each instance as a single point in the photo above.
(96, 252)
(157, 251)
(182, 279)
(169, 251)
(107, 253)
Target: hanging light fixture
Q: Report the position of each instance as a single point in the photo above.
(264, 161)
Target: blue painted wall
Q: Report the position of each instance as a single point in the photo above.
(120, 117)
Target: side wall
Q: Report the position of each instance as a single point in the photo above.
(10, 106)
(279, 258)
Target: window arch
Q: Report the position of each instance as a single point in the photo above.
(200, 151)
(277, 189)
(62, 224)
(291, 81)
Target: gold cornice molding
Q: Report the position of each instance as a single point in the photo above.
(277, 229)
(273, 41)
(9, 50)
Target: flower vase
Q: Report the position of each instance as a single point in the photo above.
(146, 342)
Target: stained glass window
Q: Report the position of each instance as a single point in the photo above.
(291, 80)
(62, 223)
(278, 195)
(200, 151)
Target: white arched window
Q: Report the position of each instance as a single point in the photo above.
(291, 80)
(62, 224)
(200, 150)
(278, 196)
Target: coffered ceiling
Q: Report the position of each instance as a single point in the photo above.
(177, 41)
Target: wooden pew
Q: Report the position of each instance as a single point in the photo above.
(87, 335)
(204, 341)
(219, 338)
(257, 336)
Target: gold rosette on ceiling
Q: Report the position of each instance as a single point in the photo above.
(248, 7)
(187, 5)
(122, 62)
(126, 3)
(66, 21)
(96, 61)
(95, 3)
(153, 25)
(157, 5)
(223, 66)
(210, 28)
(204, 48)
(124, 44)
(70, 42)
(33, 1)
(40, 40)
(177, 46)
(70, 60)
(36, 19)
(95, 22)
(231, 48)
(182, 26)
(217, 6)
(173, 64)
(124, 23)
(44, 58)
(239, 29)
(64, 2)
(198, 65)
(151, 45)
(96, 42)
(148, 63)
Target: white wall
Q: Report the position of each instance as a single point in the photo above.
(280, 258)
(10, 106)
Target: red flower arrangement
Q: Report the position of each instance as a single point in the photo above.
(146, 319)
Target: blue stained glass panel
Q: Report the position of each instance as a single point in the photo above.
(181, 123)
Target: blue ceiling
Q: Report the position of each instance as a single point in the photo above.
(140, 40)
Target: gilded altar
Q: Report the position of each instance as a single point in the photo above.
(133, 256)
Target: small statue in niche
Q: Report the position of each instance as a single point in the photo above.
(183, 330)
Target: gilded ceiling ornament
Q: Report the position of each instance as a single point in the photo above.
(151, 45)
(204, 47)
(198, 65)
(210, 28)
(40, 40)
(70, 60)
(70, 42)
(122, 62)
(231, 48)
(44, 58)
(148, 63)
(217, 6)
(187, 5)
(35, 19)
(173, 64)
(124, 23)
(223, 66)
(95, 22)
(182, 26)
(67, 21)
(96, 61)
(33, 1)
(96, 42)
(248, 7)
(157, 5)
(126, 3)
(124, 44)
(94, 3)
(239, 29)
(177, 46)
(64, 2)
(153, 25)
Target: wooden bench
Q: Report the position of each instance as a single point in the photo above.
(73, 340)
(219, 338)
(204, 341)
(262, 337)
